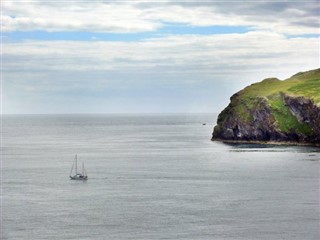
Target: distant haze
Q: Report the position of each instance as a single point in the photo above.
(148, 57)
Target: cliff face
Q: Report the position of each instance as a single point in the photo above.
(274, 110)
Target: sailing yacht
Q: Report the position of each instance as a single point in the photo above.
(74, 174)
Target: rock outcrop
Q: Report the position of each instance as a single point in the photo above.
(274, 111)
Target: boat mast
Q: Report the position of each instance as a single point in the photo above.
(76, 165)
(82, 169)
(71, 169)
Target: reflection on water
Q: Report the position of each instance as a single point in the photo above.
(252, 147)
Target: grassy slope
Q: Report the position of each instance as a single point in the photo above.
(306, 84)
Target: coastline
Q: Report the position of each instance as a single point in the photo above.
(280, 143)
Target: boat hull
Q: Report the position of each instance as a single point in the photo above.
(79, 177)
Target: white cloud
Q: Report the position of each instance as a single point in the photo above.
(213, 66)
(124, 17)
(216, 53)
(64, 16)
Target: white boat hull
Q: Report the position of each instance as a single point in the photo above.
(78, 177)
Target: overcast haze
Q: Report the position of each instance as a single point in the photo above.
(141, 57)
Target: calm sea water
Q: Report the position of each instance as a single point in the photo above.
(151, 177)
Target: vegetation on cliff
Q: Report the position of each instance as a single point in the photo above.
(274, 110)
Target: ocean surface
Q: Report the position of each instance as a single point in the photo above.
(151, 177)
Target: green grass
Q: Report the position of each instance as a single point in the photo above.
(286, 121)
(306, 84)
(310, 89)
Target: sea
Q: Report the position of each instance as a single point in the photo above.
(151, 176)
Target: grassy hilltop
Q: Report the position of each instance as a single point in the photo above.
(305, 84)
(274, 110)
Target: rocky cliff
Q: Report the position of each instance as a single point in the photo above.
(274, 111)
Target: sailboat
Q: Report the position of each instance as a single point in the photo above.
(74, 174)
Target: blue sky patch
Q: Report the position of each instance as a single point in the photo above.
(169, 29)
(304, 36)
(208, 30)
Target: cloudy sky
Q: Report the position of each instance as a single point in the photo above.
(148, 56)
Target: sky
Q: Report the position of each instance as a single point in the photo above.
(148, 56)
